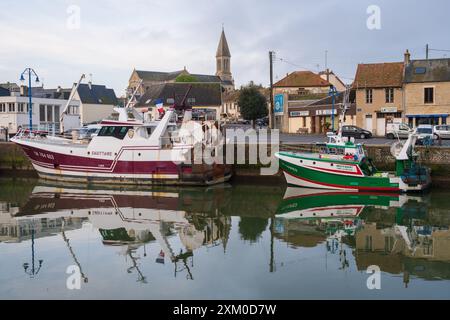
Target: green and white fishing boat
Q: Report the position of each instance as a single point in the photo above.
(342, 164)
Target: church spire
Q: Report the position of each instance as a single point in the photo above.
(222, 49)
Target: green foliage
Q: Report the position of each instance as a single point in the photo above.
(186, 78)
(252, 103)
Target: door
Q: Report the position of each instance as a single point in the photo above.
(381, 126)
(368, 123)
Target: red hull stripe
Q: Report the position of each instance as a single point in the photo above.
(85, 164)
(358, 171)
(342, 186)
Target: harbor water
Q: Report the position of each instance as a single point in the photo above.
(231, 241)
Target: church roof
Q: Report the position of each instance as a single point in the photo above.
(222, 49)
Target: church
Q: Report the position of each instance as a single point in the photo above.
(223, 73)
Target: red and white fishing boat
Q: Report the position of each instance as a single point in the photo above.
(131, 151)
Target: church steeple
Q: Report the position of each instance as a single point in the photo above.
(223, 57)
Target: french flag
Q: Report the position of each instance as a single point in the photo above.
(159, 105)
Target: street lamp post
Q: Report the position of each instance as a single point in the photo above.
(332, 93)
(29, 72)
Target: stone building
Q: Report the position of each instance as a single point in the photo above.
(223, 73)
(427, 91)
(379, 95)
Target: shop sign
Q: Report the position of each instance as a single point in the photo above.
(325, 112)
(299, 113)
(389, 109)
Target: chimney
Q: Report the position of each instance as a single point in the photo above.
(58, 89)
(407, 57)
(328, 75)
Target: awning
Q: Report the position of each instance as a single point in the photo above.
(427, 115)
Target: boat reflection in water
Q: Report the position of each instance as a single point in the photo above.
(399, 233)
(130, 219)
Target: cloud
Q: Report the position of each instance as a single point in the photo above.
(116, 36)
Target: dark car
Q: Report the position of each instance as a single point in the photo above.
(356, 132)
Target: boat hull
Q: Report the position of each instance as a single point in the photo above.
(326, 174)
(154, 167)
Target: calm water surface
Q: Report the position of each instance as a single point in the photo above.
(224, 242)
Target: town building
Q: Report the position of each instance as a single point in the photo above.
(223, 73)
(96, 102)
(332, 78)
(379, 95)
(427, 91)
(46, 110)
(301, 104)
(204, 98)
(316, 116)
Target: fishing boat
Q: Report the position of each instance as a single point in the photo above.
(342, 164)
(132, 150)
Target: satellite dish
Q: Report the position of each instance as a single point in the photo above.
(396, 148)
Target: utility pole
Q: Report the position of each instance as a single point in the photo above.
(427, 50)
(271, 115)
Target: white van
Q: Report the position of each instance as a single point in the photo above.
(424, 132)
(396, 129)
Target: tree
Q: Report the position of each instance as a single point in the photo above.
(252, 102)
(185, 78)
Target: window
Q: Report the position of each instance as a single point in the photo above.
(21, 107)
(2, 107)
(56, 113)
(389, 95)
(429, 95)
(170, 101)
(12, 107)
(116, 132)
(49, 113)
(42, 113)
(191, 101)
(369, 95)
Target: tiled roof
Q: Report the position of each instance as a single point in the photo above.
(379, 75)
(302, 79)
(96, 94)
(171, 76)
(4, 92)
(205, 94)
(432, 70)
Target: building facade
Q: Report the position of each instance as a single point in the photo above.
(379, 95)
(46, 112)
(223, 73)
(96, 102)
(427, 91)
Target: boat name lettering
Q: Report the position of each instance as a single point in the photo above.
(346, 168)
(101, 153)
(44, 155)
(103, 213)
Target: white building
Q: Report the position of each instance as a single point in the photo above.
(46, 113)
(96, 102)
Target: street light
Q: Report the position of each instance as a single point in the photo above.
(29, 72)
(332, 93)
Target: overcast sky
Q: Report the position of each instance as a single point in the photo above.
(165, 35)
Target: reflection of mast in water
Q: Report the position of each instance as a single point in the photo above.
(141, 277)
(184, 257)
(85, 279)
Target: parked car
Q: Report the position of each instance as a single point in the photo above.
(396, 129)
(356, 132)
(425, 134)
(442, 131)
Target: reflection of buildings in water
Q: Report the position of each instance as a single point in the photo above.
(126, 219)
(400, 240)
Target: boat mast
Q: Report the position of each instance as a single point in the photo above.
(72, 94)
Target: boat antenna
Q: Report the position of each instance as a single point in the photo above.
(345, 107)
